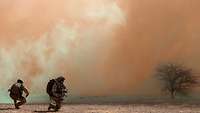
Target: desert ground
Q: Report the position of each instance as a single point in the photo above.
(85, 108)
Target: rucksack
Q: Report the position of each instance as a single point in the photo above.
(50, 86)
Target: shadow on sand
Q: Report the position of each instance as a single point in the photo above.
(39, 111)
(1, 109)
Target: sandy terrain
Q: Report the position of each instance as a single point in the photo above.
(82, 108)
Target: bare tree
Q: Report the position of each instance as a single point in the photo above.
(176, 79)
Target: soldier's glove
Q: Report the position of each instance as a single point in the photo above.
(27, 95)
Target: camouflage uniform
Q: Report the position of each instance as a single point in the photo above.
(58, 93)
(16, 92)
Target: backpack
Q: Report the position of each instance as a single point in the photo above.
(15, 90)
(49, 87)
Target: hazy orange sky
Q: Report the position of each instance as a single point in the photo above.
(103, 47)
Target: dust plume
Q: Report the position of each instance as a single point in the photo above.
(103, 47)
(156, 31)
(44, 39)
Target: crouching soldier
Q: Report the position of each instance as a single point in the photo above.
(56, 91)
(16, 93)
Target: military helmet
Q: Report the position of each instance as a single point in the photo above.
(61, 78)
(20, 81)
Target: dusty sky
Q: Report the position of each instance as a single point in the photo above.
(103, 47)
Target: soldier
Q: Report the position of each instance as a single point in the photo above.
(56, 91)
(16, 93)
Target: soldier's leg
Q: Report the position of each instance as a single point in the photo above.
(55, 104)
(14, 97)
(58, 105)
(52, 104)
(15, 103)
(22, 101)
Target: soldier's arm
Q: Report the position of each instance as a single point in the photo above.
(26, 91)
(10, 88)
(65, 90)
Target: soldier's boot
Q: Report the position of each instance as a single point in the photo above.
(58, 105)
(51, 106)
(16, 106)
